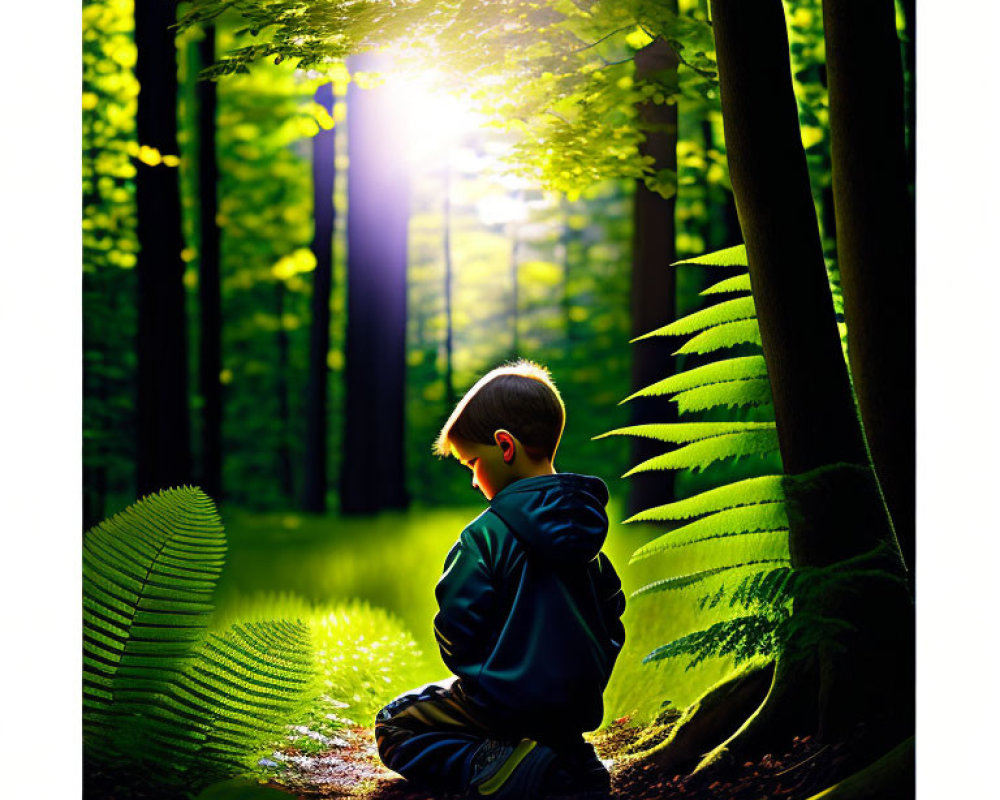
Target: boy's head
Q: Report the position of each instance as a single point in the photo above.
(506, 427)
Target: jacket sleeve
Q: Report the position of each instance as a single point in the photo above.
(465, 623)
(609, 587)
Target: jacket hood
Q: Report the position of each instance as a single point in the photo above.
(558, 517)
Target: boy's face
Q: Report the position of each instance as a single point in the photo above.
(490, 473)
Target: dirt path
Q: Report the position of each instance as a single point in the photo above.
(351, 768)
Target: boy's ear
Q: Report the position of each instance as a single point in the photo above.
(505, 441)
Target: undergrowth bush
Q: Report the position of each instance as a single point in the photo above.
(187, 697)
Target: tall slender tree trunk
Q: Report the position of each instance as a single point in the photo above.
(324, 176)
(654, 288)
(449, 376)
(209, 279)
(875, 240)
(283, 451)
(164, 449)
(372, 475)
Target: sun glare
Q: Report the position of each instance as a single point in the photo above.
(435, 120)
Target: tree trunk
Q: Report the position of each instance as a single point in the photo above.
(164, 450)
(324, 175)
(449, 376)
(875, 241)
(209, 279)
(283, 450)
(653, 290)
(372, 475)
(816, 420)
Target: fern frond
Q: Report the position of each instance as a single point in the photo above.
(684, 581)
(700, 454)
(741, 308)
(235, 697)
(753, 392)
(742, 638)
(739, 283)
(729, 257)
(762, 517)
(680, 432)
(728, 334)
(764, 489)
(729, 369)
(148, 577)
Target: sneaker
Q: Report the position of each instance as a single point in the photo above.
(505, 771)
(580, 774)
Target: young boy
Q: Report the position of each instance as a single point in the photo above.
(529, 618)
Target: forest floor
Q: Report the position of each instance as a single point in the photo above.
(352, 769)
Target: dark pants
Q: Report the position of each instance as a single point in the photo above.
(430, 736)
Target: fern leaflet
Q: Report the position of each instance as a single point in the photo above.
(740, 283)
(722, 524)
(684, 581)
(728, 334)
(730, 369)
(764, 489)
(700, 454)
(742, 308)
(729, 257)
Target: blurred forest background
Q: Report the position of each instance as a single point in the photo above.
(332, 262)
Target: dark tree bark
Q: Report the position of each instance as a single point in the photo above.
(372, 476)
(209, 280)
(654, 288)
(283, 452)
(324, 175)
(835, 514)
(164, 449)
(875, 241)
(449, 377)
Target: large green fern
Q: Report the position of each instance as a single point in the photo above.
(743, 526)
(148, 577)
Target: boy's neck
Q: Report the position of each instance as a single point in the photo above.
(532, 469)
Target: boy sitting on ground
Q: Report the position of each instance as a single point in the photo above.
(529, 612)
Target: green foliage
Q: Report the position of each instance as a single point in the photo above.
(560, 74)
(753, 491)
(148, 577)
(742, 526)
(729, 522)
(739, 283)
(735, 256)
(189, 705)
(227, 705)
(742, 308)
(699, 454)
(110, 249)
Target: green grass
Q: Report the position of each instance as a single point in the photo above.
(306, 563)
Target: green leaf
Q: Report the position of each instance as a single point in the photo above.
(684, 581)
(765, 489)
(723, 524)
(739, 283)
(740, 637)
(730, 257)
(729, 369)
(700, 454)
(678, 432)
(235, 697)
(741, 308)
(754, 392)
(729, 334)
(148, 577)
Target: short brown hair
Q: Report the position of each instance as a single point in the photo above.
(519, 397)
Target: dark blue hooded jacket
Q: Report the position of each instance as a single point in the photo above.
(530, 607)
